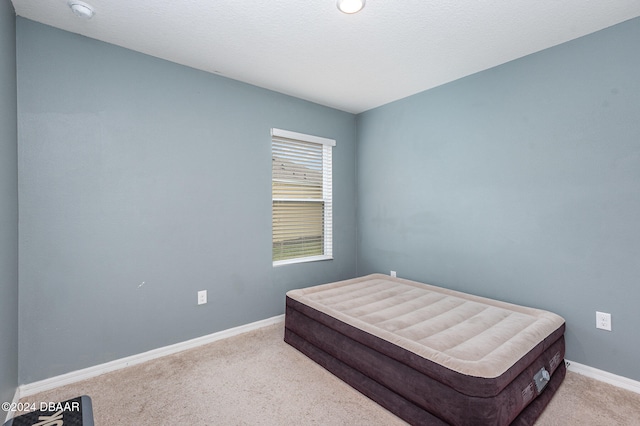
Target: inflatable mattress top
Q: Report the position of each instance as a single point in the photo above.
(468, 334)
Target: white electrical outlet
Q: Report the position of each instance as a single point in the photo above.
(393, 273)
(603, 321)
(202, 297)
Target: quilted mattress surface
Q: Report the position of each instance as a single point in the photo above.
(467, 334)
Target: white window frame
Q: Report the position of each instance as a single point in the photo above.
(327, 193)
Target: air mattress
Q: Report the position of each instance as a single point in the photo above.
(431, 355)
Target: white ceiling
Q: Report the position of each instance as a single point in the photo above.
(309, 49)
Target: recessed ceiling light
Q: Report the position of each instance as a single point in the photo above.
(350, 6)
(81, 9)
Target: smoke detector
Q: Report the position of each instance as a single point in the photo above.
(81, 9)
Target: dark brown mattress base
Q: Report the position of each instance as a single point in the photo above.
(413, 395)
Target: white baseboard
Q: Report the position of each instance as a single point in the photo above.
(16, 399)
(604, 376)
(87, 373)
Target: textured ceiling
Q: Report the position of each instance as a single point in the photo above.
(310, 50)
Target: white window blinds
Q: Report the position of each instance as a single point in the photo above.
(301, 194)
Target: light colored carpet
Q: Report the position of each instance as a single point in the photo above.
(257, 379)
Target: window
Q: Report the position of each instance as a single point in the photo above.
(301, 196)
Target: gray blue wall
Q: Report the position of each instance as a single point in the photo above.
(142, 182)
(520, 183)
(8, 207)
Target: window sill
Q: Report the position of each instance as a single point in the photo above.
(302, 260)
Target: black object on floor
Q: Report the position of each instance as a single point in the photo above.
(73, 412)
